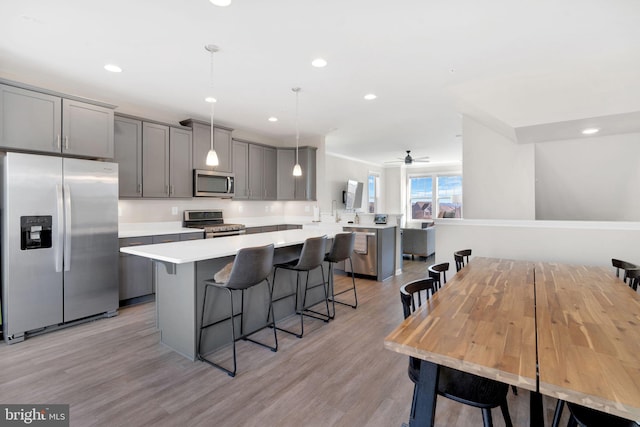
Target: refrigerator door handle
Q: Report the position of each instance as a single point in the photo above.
(67, 226)
(60, 212)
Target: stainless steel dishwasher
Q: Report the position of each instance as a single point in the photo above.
(365, 252)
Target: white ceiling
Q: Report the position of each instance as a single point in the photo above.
(519, 63)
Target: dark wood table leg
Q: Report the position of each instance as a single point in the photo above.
(425, 396)
(536, 414)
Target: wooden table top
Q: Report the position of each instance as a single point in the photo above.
(482, 321)
(588, 338)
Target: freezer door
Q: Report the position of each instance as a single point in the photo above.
(32, 288)
(91, 240)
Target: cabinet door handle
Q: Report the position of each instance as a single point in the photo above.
(166, 190)
(139, 189)
(172, 189)
(58, 142)
(66, 142)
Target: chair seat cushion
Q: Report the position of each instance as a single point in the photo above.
(222, 276)
(464, 387)
(287, 265)
(591, 417)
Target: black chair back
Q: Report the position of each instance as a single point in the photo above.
(462, 258)
(438, 272)
(413, 291)
(625, 266)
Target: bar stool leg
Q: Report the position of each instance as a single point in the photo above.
(353, 287)
(231, 373)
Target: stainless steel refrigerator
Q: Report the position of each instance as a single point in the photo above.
(59, 242)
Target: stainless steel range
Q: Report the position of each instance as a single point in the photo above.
(212, 223)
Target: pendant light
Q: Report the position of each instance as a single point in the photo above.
(212, 156)
(297, 170)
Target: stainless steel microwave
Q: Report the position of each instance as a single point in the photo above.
(212, 184)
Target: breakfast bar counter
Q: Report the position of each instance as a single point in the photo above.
(182, 267)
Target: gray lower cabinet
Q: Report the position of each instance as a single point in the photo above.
(128, 155)
(241, 170)
(296, 187)
(135, 273)
(192, 236)
(202, 144)
(166, 161)
(268, 228)
(41, 122)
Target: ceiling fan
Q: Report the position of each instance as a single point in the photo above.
(409, 160)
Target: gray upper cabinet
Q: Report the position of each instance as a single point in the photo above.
(202, 143)
(285, 182)
(30, 121)
(87, 130)
(155, 160)
(128, 155)
(297, 187)
(241, 170)
(41, 122)
(166, 161)
(180, 169)
(270, 173)
(262, 172)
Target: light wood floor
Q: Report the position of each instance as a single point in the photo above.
(114, 372)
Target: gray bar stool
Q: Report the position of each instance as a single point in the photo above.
(251, 267)
(341, 251)
(311, 257)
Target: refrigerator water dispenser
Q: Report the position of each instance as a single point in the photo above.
(35, 232)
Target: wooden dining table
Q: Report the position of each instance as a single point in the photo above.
(566, 331)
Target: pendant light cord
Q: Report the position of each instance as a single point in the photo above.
(297, 125)
(212, 100)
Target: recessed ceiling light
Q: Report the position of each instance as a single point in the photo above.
(319, 63)
(210, 99)
(370, 96)
(113, 68)
(273, 119)
(590, 131)
(221, 3)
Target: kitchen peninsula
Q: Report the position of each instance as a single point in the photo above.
(182, 267)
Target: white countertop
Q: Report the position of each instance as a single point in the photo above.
(140, 229)
(199, 250)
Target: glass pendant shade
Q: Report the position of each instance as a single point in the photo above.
(297, 170)
(212, 158)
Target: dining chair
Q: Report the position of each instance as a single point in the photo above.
(633, 276)
(587, 417)
(250, 268)
(438, 272)
(456, 385)
(624, 266)
(462, 258)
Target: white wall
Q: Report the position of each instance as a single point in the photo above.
(572, 242)
(593, 179)
(338, 170)
(498, 175)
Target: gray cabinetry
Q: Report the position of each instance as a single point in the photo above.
(262, 172)
(135, 273)
(166, 161)
(41, 122)
(155, 160)
(241, 169)
(180, 170)
(296, 187)
(128, 155)
(87, 130)
(192, 236)
(202, 144)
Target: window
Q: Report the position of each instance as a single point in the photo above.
(373, 186)
(448, 196)
(420, 197)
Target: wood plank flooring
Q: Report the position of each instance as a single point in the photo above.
(114, 372)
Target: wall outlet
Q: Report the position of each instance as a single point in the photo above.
(174, 210)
